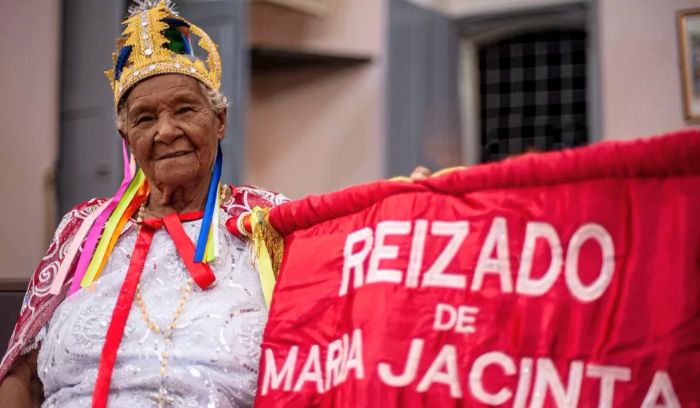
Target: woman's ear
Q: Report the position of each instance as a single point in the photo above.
(221, 121)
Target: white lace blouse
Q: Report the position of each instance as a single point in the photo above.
(213, 358)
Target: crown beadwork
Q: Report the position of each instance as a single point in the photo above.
(156, 40)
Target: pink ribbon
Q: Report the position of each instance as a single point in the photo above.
(60, 278)
(100, 219)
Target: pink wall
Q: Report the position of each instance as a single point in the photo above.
(29, 130)
(354, 26)
(640, 76)
(318, 129)
(475, 7)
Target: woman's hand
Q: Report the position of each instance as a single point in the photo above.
(21, 387)
(420, 173)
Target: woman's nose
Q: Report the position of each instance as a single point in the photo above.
(167, 130)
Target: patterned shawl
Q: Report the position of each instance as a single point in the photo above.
(39, 305)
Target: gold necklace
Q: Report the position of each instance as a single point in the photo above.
(162, 397)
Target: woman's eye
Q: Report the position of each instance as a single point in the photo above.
(143, 119)
(184, 109)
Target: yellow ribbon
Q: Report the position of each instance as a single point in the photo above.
(211, 251)
(268, 251)
(93, 270)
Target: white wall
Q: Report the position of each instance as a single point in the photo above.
(640, 74)
(29, 75)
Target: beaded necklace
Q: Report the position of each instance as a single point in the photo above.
(162, 397)
(200, 273)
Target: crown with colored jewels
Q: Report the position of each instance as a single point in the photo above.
(156, 40)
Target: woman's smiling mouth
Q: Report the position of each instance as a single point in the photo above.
(173, 155)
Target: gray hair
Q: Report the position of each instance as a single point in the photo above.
(216, 99)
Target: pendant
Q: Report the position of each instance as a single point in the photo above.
(162, 398)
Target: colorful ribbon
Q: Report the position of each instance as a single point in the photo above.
(131, 208)
(92, 227)
(200, 272)
(105, 227)
(212, 251)
(210, 223)
(84, 229)
(110, 227)
(263, 254)
(115, 331)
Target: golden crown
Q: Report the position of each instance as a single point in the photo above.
(156, 40)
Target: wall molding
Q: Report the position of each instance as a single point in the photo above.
(13, 285)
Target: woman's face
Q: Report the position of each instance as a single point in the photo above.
(172, 130)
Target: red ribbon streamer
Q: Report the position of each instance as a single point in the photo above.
(201, 272)
(115, 332)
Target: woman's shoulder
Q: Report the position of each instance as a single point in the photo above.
(245, 198)
(39, 301)
(71, 220)
(83, 209)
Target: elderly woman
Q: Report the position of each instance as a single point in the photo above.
(193, 337)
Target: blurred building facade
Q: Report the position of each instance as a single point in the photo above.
(366, 90)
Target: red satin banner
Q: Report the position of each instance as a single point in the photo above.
(567, 279)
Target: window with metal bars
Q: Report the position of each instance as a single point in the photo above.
(533, 93)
